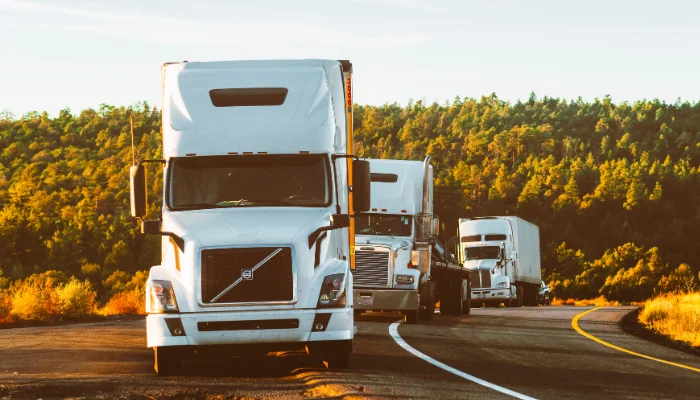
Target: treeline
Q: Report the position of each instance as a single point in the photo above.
(613, 187)
(64, 197)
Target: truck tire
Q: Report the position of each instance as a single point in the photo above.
(337, 354)
(411, 317)
(427, 301)
(467, 304)
(519, 293)
(457, 293)
(166, 361)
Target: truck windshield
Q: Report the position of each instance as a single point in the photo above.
(249, 180)
(383, 224)
(482, 253)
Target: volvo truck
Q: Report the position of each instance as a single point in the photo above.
(259, 192)
(401, 265)
(503, 257)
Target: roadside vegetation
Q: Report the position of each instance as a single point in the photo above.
(614, 189)
(676, 315)
(599, 301)
(50, 296)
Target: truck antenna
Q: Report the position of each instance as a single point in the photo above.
(133, 150)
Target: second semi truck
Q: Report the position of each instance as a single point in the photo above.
(401, 265)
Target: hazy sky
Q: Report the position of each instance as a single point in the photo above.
(61, 53)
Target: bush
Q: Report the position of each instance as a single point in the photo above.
(77, 298)
(35, 299)
(128, 302)
(116, 282)
(674, 315)
(5, 307)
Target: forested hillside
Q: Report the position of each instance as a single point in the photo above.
(614, 188)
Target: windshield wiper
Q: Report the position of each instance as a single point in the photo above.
(244, 202)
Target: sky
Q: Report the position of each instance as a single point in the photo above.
(78, 54)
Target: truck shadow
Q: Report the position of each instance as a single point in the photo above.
(272, 365)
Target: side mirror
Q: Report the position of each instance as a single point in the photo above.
(435, 227)
(137, 181)
(340, 221)
(360, 185)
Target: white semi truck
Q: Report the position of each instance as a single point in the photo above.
(401, 266)
(257, 217)
(503, 257)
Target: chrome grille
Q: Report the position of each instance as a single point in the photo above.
(485, 278)
(476, 282)
(371, 268)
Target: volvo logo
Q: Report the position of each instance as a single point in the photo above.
(247, 274)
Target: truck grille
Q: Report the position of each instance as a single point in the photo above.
(485, 278)
(476, 282)
(272, 281)
(371, 268)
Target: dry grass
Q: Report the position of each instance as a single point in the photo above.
(127, 302)
(674, 315)
(599, 301)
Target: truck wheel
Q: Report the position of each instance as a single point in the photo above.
(467, 304)
(166, 361)
(457, 292)
(336, 355)
(519, 293)
(411, 317)
(427, 301)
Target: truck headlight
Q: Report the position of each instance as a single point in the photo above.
(404, 279)
(332, 291)
(502, 285)
(162, 298)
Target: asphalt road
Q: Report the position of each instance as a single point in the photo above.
(533, 352)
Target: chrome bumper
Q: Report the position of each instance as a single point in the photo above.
(488, 295)
(385, 299)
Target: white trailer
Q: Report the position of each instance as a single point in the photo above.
(503, 257)
(401, 266)
(257, 215)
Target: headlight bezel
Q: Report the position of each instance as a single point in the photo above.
(161, 297)
(501, 285)
(335, 293)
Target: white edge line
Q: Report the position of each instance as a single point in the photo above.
(394, 332)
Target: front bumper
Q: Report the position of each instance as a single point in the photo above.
(490, 295)
(385, 299)
(240, 327)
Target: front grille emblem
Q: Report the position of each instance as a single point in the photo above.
(247, 274)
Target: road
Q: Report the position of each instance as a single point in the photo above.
(532, 352)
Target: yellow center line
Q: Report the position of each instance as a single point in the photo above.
(574, 324)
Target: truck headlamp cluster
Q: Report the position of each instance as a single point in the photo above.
(404, 279)
(502, 285)
(332, 291)
(162, 298)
